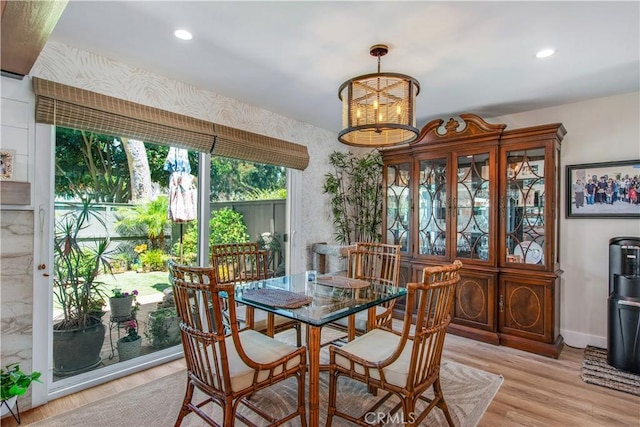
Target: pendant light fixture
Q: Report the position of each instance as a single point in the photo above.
(379, 110)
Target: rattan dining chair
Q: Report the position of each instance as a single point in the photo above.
(375, 262)
(228, 367)
(403, 364)
(239, 263)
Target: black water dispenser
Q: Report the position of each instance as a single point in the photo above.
(623, 338)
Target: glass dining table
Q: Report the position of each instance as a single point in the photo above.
(314, 303)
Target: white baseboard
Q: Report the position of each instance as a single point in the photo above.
(581, 340)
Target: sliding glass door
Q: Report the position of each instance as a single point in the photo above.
(122, 209)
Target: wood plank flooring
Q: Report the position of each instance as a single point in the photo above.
(537, 391)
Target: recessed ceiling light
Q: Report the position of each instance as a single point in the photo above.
(544, 53)
(183, 34)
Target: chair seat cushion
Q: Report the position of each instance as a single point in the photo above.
(375, 346)
(260, 318)
(261, 349)
(361, 318)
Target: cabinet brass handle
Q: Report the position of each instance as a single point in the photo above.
(501, 303)
(454, 203)
(503, 205)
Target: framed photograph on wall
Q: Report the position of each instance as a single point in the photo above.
(6, 164)
(603, 190)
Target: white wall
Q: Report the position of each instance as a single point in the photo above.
(17, 234)
(17, 126)
(598, 130)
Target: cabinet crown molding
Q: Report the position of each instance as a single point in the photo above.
(473, 126)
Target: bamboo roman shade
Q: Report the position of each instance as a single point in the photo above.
(75, 108)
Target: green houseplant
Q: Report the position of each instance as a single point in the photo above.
(14, 383)
(130, 345)
(79, 335)
(355, 187)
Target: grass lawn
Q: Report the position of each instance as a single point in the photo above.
(145, 283)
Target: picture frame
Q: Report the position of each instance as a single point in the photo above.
(6, 164)
(615, 193)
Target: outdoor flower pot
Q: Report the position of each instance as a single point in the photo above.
(8, 405)
(129, 349)
(77, 350)
(121, 307)
(163, 328)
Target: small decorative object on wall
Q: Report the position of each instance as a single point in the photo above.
(6, 164)
(604, 190)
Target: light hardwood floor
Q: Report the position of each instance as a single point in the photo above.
(537, 391)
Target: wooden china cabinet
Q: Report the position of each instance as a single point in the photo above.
(487, 196)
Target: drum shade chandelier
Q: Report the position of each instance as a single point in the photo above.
(379, 110)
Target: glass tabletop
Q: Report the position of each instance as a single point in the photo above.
(325, 303)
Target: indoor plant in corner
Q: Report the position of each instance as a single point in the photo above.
(130, 345)
(14, 383)
(355, 187)
(79, 334)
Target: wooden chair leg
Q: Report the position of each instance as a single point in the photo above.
(437, 392)
(333, 392)
(409, 411)
(302, 398)
(228, 415)
(188, 394)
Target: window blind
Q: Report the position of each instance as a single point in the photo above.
(68, 106)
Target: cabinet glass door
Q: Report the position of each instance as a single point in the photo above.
(398, 205)
(525, 206)
(432, 208)
(472, 207)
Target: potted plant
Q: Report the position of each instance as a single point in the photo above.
(130, 345)
(355, 187)
(78, 337)
(163, 327)
(14, 383)
(122, 304)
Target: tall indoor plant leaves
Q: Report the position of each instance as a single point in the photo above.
(355, 187)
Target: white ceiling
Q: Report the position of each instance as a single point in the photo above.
(291, 57)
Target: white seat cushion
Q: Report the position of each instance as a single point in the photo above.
(375, 346)
(259, 348)
(361, 318)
